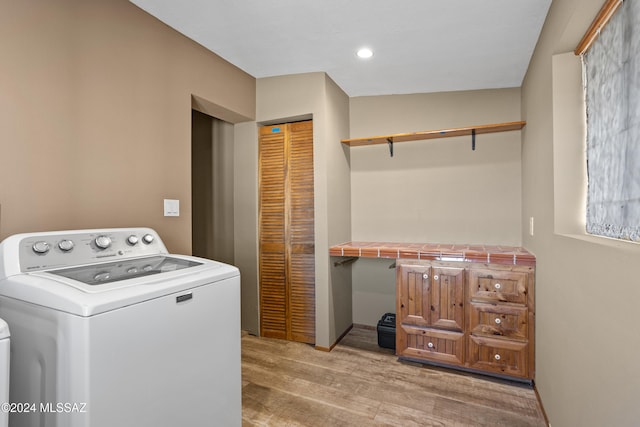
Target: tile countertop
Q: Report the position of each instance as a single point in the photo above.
(494, 254)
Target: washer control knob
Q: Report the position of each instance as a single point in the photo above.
(65, 245)
(148, 238)
(132, 240)
(102, 276)
(103, 242)
(40, 247)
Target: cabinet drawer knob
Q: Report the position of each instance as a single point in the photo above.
(498, 321)
(497, 286)
(497, 357)
(425, 276)
(435, 277)
(430, 345)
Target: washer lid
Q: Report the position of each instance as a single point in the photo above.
(77, 296)
(4, 330)
(101, 274)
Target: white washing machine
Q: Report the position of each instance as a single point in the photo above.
(4, 373)
(108, 329)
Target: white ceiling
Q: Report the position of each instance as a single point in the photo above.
(419, 45)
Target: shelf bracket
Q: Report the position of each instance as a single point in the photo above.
(345, 261)
(473, 139)
(390, 142)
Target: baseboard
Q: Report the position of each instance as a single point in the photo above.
(544, 413)
(344, 334)
(359, 326)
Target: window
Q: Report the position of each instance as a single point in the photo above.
(611, 71)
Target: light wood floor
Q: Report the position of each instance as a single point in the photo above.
(359, 384)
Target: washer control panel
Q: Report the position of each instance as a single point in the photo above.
(69, 248)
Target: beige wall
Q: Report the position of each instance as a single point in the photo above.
(338, 193)
(431, 191)
(95, 116)
(587, 288)
(245, 208)
(288, 98)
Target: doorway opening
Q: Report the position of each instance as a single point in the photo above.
(212, 187)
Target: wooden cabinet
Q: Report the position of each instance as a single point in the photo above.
(430, 312)
(286, 229)
(474, 316)
(501, 319)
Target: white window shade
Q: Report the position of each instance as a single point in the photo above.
(612, 91)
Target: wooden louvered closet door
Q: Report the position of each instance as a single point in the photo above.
(287, 272)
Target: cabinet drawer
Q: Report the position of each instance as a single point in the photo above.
(431, 344)
(506, 321)
(499, 356)
(493, 285)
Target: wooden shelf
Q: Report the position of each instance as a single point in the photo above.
(432, 134)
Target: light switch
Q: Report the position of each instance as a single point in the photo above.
(531, 226)
(171, 207)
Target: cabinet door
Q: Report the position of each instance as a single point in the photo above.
(446, 298)
(430, 296)
(412, 294)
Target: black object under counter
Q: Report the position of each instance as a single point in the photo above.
(387, 331)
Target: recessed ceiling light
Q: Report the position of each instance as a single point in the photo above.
(365, 53)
